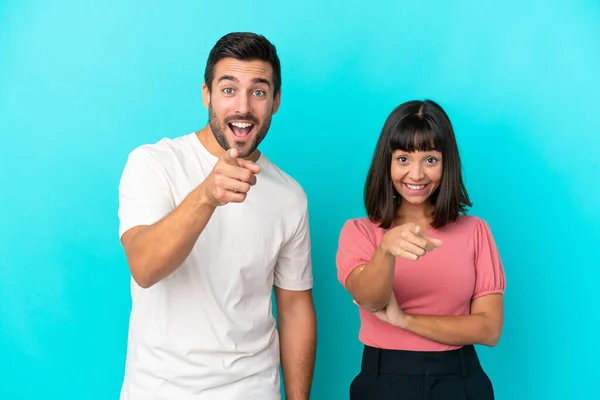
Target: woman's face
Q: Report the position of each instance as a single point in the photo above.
(416, 175)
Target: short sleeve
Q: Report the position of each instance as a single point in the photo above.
(144, 195)
(356, 247)
(293, 270)
(490, 277)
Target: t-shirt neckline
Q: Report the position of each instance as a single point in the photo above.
(197, 144)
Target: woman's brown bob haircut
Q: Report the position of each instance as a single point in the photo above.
(416, 126)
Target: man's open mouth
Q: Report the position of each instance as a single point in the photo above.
(241, 130)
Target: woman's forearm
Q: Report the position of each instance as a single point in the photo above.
(455, 330)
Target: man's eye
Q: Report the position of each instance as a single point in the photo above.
(228, 91)
(259, 93)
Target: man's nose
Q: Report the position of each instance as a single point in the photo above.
(242, 105)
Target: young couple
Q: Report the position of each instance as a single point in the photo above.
(210, 227)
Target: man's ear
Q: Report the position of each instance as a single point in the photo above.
(276, 101)
(205, 95)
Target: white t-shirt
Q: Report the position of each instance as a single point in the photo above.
(207, 330)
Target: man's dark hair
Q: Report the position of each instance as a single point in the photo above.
(243, 46)
(416, 126)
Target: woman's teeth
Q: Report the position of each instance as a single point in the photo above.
(415, 187)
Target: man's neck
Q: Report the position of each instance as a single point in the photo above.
(207, 138)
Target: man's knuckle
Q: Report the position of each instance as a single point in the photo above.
(219, 182)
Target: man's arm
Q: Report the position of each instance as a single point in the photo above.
(155, 251)
(298, 336)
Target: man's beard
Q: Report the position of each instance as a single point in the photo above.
(244, 148)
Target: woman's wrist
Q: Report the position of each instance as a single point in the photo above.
(405, 322)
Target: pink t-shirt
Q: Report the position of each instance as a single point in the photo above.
(443, 282)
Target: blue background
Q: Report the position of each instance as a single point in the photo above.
(83, 83)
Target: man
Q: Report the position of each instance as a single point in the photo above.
(209, 226)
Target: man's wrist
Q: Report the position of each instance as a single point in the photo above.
(297, 397)
(201, 201)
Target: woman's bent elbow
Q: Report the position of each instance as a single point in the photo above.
(372, 306)
(493, 338)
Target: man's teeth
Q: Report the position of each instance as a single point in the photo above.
(241, 124)
(415, 187)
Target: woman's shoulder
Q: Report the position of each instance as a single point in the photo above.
(362, 227)
(466, 224)
(363, 223)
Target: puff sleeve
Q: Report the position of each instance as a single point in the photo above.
(490, 276)
(356, 247)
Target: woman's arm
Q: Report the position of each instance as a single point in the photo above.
(371, 284)
(482, 326)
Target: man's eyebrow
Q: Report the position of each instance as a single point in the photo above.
(262, 80)
(236, 80)
(228, 78)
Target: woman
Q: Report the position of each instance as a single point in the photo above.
(427, 278)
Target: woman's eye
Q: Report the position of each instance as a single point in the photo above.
(432, 160)
(402, 159)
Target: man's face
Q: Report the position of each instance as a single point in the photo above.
(241, 103)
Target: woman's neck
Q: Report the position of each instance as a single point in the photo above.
(421, 214)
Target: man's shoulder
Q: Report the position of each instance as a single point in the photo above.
(164, 151)
(165, 145)
(284, 182)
